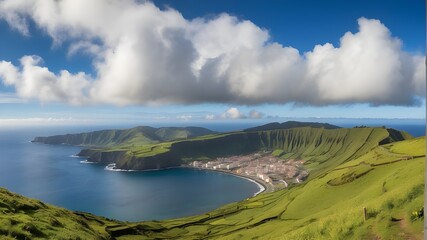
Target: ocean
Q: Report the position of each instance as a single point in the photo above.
(50, 173)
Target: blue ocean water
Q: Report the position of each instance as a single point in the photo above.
(51, 174)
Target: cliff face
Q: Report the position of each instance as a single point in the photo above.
(156, 162)
(100, 156)
(329, 147)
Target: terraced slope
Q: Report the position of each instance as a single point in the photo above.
(387, 180)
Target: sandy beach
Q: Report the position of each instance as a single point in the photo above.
(264, 187)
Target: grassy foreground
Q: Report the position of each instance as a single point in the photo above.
(388, 180)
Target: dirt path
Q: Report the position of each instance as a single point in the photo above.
(406, 233)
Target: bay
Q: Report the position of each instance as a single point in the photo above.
(50, 173)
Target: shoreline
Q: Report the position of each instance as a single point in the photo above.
(263, 186)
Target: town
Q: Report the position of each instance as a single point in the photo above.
(271, 170)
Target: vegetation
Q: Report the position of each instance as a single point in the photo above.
(134, 136)
(291, 124)
(24, 218)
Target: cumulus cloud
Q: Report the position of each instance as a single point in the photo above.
(255, 114)
(34, 81)
(233, 113)
(144, 55)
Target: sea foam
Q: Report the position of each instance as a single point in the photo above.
(112, 167)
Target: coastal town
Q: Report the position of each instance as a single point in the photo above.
(271, 171)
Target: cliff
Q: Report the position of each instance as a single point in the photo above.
(318, 146)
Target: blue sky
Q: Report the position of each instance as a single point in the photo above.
(216, 61)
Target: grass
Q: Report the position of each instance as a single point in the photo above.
(24, 218)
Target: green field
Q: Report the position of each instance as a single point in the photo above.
(350, 169)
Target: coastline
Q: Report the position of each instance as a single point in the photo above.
(263, 186)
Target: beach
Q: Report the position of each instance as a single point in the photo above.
(264, 187)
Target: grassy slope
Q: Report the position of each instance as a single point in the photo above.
(24, 218)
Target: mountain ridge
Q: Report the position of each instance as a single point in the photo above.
(135, 135)
(290, 124)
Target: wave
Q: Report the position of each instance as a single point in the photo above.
(260, 186)
(112, 167)
(88, 162)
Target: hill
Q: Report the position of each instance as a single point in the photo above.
(290, 124)
(387, 180)
(137, 135)
(321, 148)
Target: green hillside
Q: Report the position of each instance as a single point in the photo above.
(322, 149)
(137, 135)
(24, 218)
(290, 124)
(387, 180)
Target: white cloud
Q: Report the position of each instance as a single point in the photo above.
(8, 73)
(233, 113)
(184, 117)
(8, 122)
(35, 81)
(210, 117)
(144, 55)
(369, 66)
(255, 114)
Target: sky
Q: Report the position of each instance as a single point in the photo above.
(75, 61)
